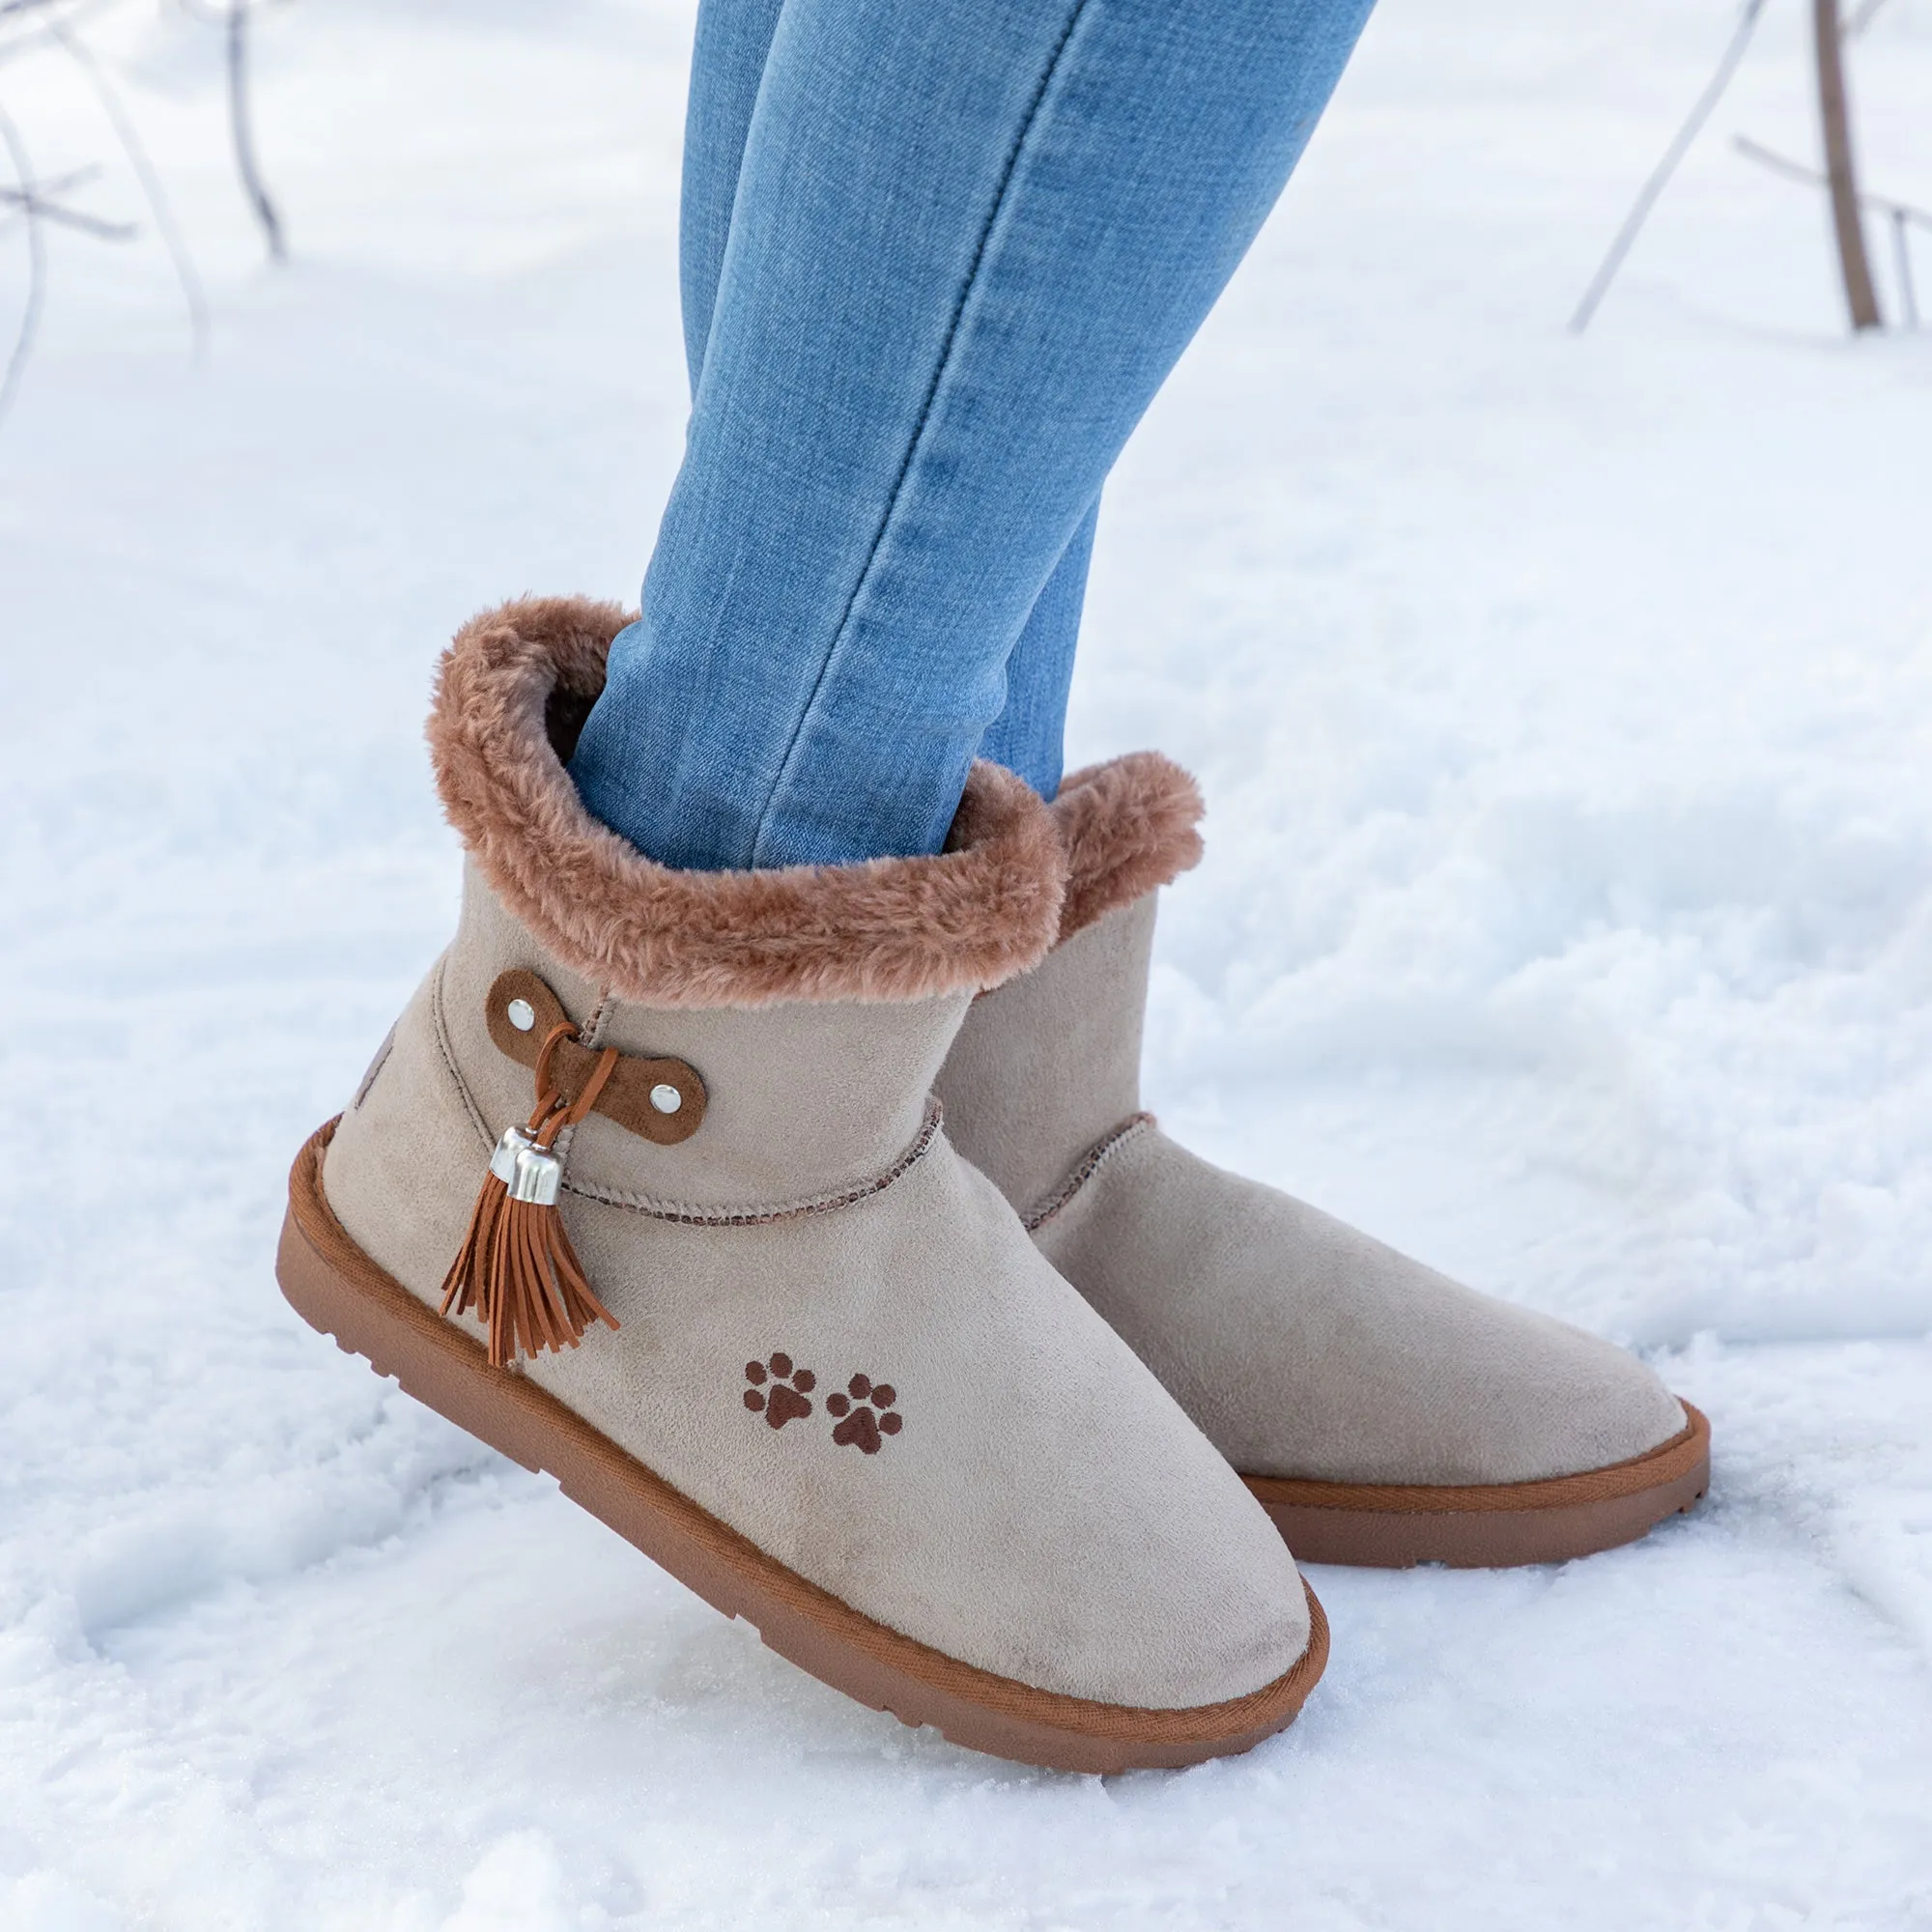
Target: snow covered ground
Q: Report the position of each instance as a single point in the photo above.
(1565, 708)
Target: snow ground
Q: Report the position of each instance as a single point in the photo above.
(1564, 707)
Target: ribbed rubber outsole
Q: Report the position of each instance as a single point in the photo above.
(337, 1289)
(1390, 1527)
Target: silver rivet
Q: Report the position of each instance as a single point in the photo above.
(522, 1015)
(666, 1097)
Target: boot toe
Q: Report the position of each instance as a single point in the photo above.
(1176, 1593)
(1305, 1348)
(1571, 1403)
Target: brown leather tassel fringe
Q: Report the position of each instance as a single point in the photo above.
(516, 1266)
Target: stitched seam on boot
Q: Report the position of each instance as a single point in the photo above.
(690, 1214)
(376, 1067)
(1085, 1169)
(444, 1047)
(600, 1017)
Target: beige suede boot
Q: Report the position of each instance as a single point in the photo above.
(1383, 1413)
(810, 1360)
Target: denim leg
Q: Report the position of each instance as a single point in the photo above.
(966, 247)
(1029, 735)
(728, 64)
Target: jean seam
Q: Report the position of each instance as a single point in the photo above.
(1048, 73)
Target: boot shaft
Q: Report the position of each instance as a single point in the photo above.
(799, 1101)
(1048, 1065)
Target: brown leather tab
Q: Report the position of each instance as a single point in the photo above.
(627, 1095)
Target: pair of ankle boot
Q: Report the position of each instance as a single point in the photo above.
(648, 1187)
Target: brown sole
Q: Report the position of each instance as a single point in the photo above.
(335, 1288)
(1491, 1526)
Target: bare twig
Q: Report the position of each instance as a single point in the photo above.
(1861, 19)
(1835, 116)
(152, 191)
(1659, 178)
(232, 17)
(1901, 254)
(243, 129)
(1901, 214)
(11, 200)
(47, 185)
(37, 266)
(37, 198)
(1801, 171)
(60, 183)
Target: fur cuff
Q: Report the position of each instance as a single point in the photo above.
(1128, 826)
(513, 690)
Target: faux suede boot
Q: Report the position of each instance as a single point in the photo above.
(1383, 1413)
(646, 1188)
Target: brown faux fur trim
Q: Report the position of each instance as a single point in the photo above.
(1128, 826)
(987, 908)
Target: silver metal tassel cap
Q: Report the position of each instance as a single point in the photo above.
(538, 1176)
(516, 1142)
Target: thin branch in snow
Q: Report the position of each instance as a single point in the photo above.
(1659, 178)
(242, 127)
(49, 184)
(1901, 250)
(232, 17)
(157, 196)
(1835, 116)
(1902, 215)
(1801, 171)
(37, 198)
(37, 264)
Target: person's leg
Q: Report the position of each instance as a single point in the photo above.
(966, 247)
(728, 64)
(1029, 733)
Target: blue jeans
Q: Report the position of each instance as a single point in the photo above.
(937, 259)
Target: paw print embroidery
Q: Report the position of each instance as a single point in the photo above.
(784, 1401)
(867, 1413)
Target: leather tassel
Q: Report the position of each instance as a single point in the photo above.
(516, 1266)
(466, 1284)
(538, 1296)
